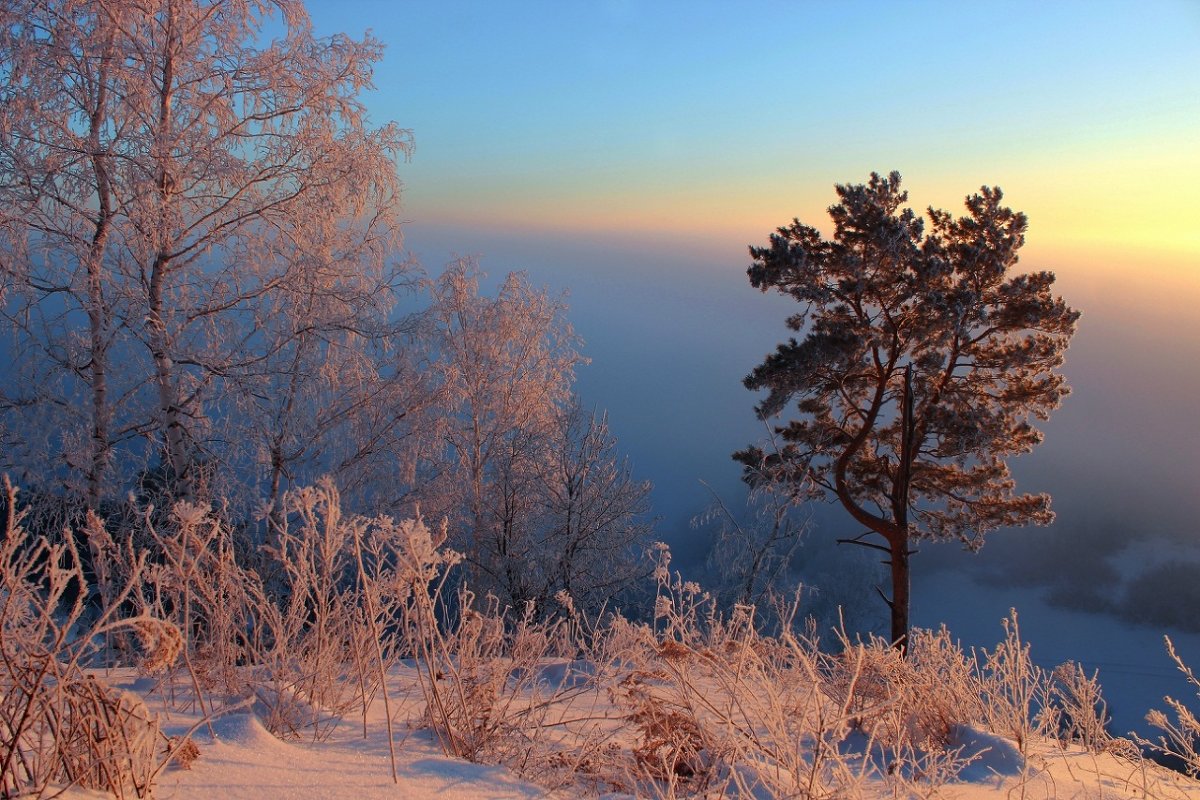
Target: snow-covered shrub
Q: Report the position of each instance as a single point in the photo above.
(107, 739)
(946, 690)
(194, 581)
(1014, 689)
(1076, 710)
(1181, 736)
(912, 700)
(310, 648)
(479, 667)
(302, 632)
(717, 708)
(60, 725)
(672, 747)
(469, 713)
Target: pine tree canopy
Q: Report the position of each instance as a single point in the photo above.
(884, 305)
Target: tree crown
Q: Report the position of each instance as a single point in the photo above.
(883, 299)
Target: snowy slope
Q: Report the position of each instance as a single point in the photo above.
(239, 758)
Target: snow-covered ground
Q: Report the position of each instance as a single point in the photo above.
(242, 760)
(239, 758)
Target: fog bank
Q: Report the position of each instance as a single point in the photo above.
(672, 326)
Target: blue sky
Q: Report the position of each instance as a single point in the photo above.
(725, 120)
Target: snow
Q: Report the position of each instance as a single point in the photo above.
(990, 755)
(240, 759)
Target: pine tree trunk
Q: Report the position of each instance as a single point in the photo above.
(899, 541)
(900, 592)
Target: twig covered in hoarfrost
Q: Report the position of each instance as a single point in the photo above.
(1181, 737)
(61, 725)
(367, 587)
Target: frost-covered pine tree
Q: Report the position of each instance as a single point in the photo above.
(921, 365)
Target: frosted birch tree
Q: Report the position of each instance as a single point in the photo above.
(61, 121)
(922, 362)
(336, 388)
(243, 152)
(504, 367)
(173, 174)
(595, 516)
(539, 499)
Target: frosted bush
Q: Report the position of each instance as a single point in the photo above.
(913, 701)
(59, 724)
(1181, 736)
(1013, 687)
(1077, 711)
